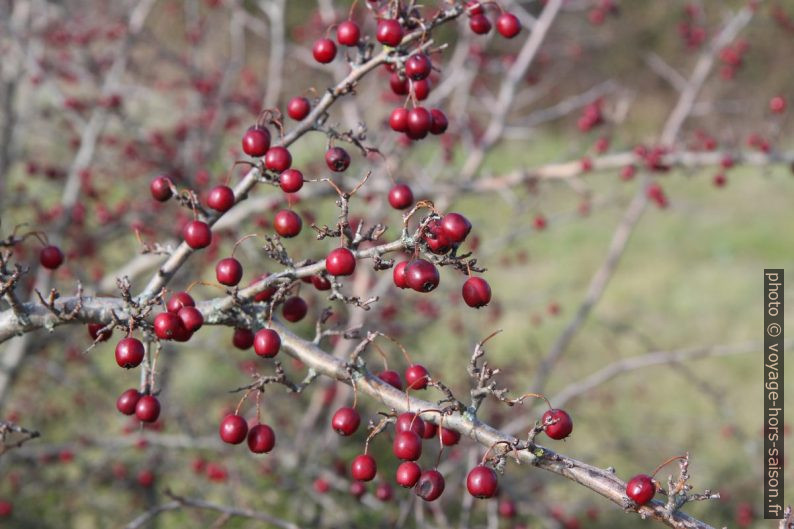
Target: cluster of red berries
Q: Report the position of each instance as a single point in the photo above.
(234, 430)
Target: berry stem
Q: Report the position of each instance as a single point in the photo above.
(667, 462)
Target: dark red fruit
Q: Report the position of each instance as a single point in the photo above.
(337, 159)
(221, 198)
(641, 489)
(321, 283)
(298, 108)
(418, 67)
(363, 467)
(430, 430)
(480, 24)
(474, 8)
(291, 181)
(94, 332)
(287, 223)
(439, 122)
(166, 325)
(267, 343)
(324, 51)
(409, 422)
(456, 227)
(449, 437)
(348, 33)
(419, 122)
(278, 159)
(421, 89)
(160, 188)
(340, 262)
(400, 279)
(243, 339)
(256, 141)
(508, 25)
(266, 294)
(129, 353)
(407, 446)
(399, 85)
(233, 429)
(392, 378)
(398, 119)
(229, 271)
(482, 482)
(389, 32)
(558, 424)
(476, 292)
(345, 421)
(197, 234)
(383, 492)
(191, 317)
(430, 485)
(408, 474)
(147, 409)
(179, 300)
(422, 276)
(436, 238)
(294, 309)
(51, 257)
(401, 197)
(416, 376)
(127, 401)
(261, 439)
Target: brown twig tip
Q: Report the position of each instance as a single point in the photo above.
(684, 458)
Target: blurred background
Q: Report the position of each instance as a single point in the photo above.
(99, 97)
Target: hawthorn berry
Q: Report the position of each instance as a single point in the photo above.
(430, 485)
(197, 234)
(166, 325)
(507, 25)
(558, 424)
(449, 437)
(129, 352)
(256, 141)
(399, 85)
(243, 338)
(97, 334)
(345, 421)
(324, 51)
(267, 343)
(363, 467)
(340, 262)
(357, 489)
(321, 282)
(147, 409)
(191, 318)
(261, 439)
(422, 276)
(407, 446)
(401, 196)
(221, 198)
(337, 159)
(348, 33)
(777, 105)
(482, 482)
(456, 227)
(51, 257)
(398, 119)
(233, 429)
(127, 401)
(430, 430)
(641, 489)
(473, 8)
(398, 274)
(266, 294)
(179, 300)
(160, 189)
(479, 24)
(287, 223)
(408, 421)
(418, 67)
(420, 89)
(419, 122)
(438, 121)
(278, 159)
(436, 238)
(383, 492)
(392, 378)
(290, 181)
(298, 108)
(389, 32)
(294, 309)
(229, 271)
(416, 376)
(476, 292)
(408, 474)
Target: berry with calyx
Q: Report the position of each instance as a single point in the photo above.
(476, 292)
(221, 198)
(557, 424)
(482, 482)
(129, 352)
(267, 343)
(197, 234)
(167, 325)
(256, 141)
(51, 257)
(229, 271)
(287, 223)
(422, 276)
(337, 159)
(363, 467)
(261, 439)
(340, 262)
(418, 67)
(345, 421)
(430, 485)
(233, 429)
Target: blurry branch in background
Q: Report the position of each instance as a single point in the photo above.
(13, 436)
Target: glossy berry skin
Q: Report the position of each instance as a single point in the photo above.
(147, 409)
(439, 122)
(345, 421)
(127, 401)
(324, 51)
(348, 33)
(278, 159)
(436, 238)
(392, 378)
(398, 85)
(508, 25)
(51, 257)
(449, 437)
(340, 262)
(191, 318)
(479, 24)
(221, 198)
(482, 482)
(418, 67)
(422, 276)
(179, 300)
(298, 108)
(160, 188)
(419, 122)
(474, 8)
(197, 234)
(558, 424)
(401, 197)
(233, 429)
(94, 332)
(363, 468)
(408, 474)
(398, 119)
(409, 422)
(407, 446)
(337, 159)
(416, 376)
(398, 274)
(476, 292)
(166, 325)
(229, 271)
(287, 223)
(290, 181)
(456, 227)
(641, 489)
(294, 309)
(389, 32)
(267, 343)
(321, 283)
(430, 485)
(421, 89)
(261, 439)
(129, 353)
(430, 431)
(243, 339)
(256, 141)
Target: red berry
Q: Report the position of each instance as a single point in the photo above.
(287, 223)
(480, 24)
(430, 430)
(94, 332)
(482, 482)
(233, 429)
(383, 492)
(127, 401)
(421, 89)
(51, 257)
(191, 317)
(476, 292)
(291, 181)
(337, 159)
(321, 283)
(229, 271)
(401, 197)
(777, 105)
(392, 378)
(558, 424)
(160, 188)
(507, 508)
(430, 485)
(407, 446)
(340, 262)
(221, 198)
(409, 422)
(399, 85)
(389, 32)
(720, 180)
(261, 439)
(324, 51)
(321, 486)
(398, 119)
(147, 409)
(243, 338)
(266, 294)
(641, 489)
(179, 300)
(298, 108)
(348, 33)
(408, 474)
(507, 25)
(439, 122)
(455, 226)
(345, 421)
(167, 325)
(628, 172)
(449, 437)
(256, 141)
(363, 467)
(474, 8)
(436, 238)
(278, 159)
(422, 276)
(400, 279)
(419, 122)
(197, 234)
(418, 66)
(129, 352)
(267, 343)
(294, 309)
(417, 377)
